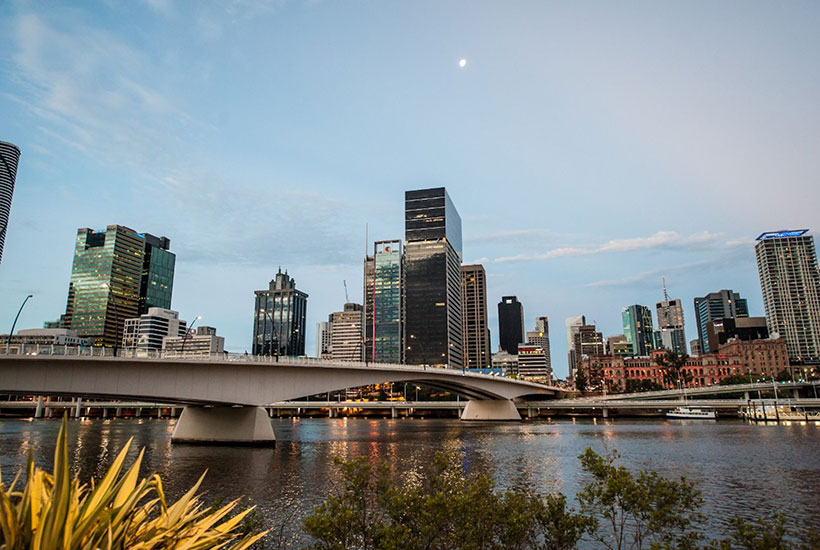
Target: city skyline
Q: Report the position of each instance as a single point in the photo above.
(291, 173)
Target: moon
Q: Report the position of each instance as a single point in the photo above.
(462, 63)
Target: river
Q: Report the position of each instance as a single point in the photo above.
(740, 468)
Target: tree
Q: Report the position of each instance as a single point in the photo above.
(634, 512)
(580, 379)
(672, 364)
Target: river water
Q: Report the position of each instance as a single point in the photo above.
(741, 468)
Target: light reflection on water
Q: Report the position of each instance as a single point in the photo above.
(740, 468)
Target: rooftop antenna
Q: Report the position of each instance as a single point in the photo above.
(665, 294)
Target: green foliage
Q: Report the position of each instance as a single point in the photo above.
(631, 512)
(784, 376)
(765, 534)
(580, 379)
(447, 510)
(52, 511)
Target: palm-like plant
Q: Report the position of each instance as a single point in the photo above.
(53, 511)
(672, 365)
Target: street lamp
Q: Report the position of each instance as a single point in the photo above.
(14, 324)
(187, 331)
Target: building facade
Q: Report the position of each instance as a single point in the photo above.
(111, 281)
(323, 339)
(753, 359)
(279, 318)
(637, 322)
(510, 324)
(541, 337)
(30, 339)
(532, 364)
(147, 331)
(477, 352)
(790, 282)
(384, 303)
(9, 159)
(205, 343)
(671, 334)
(346, 333)
(572, 325)
(724, 304)
(720, 331)
(433, 310)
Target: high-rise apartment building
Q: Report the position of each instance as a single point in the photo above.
(433, 309)
(384, 303)
(790, 282)
(724, 304)
(670, 334)
(9, 158)
(541, 337)
(477, 352)
(279, 318)
(113, 278)
(510, 324)
(637, 322)
(147, 331)
(346, 333)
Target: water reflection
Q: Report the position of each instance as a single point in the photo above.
(740, 468)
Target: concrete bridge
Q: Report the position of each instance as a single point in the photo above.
(224, 398)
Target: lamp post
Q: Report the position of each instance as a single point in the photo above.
(188, 330)
(14, 324)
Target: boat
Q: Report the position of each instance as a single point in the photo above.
(691, 412)
(687, 412)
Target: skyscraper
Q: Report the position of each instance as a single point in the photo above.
(323, 339)
(9, 157)
(637, 321)
(279, 318)
(346, 333)
(790, 282)
(510, 324)
(572, 325)
(724, 304)
(670, 334)
(111, 281)
(477, 353)
(384, 303)
(432, 279)
(541, 337)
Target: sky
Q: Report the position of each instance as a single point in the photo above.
(591, 148)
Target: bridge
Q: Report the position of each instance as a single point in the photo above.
(224, 398)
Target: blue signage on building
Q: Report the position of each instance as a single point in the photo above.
(782, 234)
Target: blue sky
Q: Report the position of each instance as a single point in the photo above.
(589, 147)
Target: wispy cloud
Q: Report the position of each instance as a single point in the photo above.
(660, 240)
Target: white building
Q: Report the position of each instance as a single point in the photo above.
(204, 343)
(147, 331)
(323, 339)
(346, 334)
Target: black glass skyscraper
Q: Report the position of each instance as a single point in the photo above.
(9, 157)
(510, 324)
(433, 313)
(279, 318)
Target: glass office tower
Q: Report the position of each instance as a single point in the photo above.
(384, 303)
(637, 322)
(279, 318)
(157, 274)
(433, 312)
(724, 304)
(113, 278)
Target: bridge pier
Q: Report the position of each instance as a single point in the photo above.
(490, 409)
(224, 426)
(38, 413)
